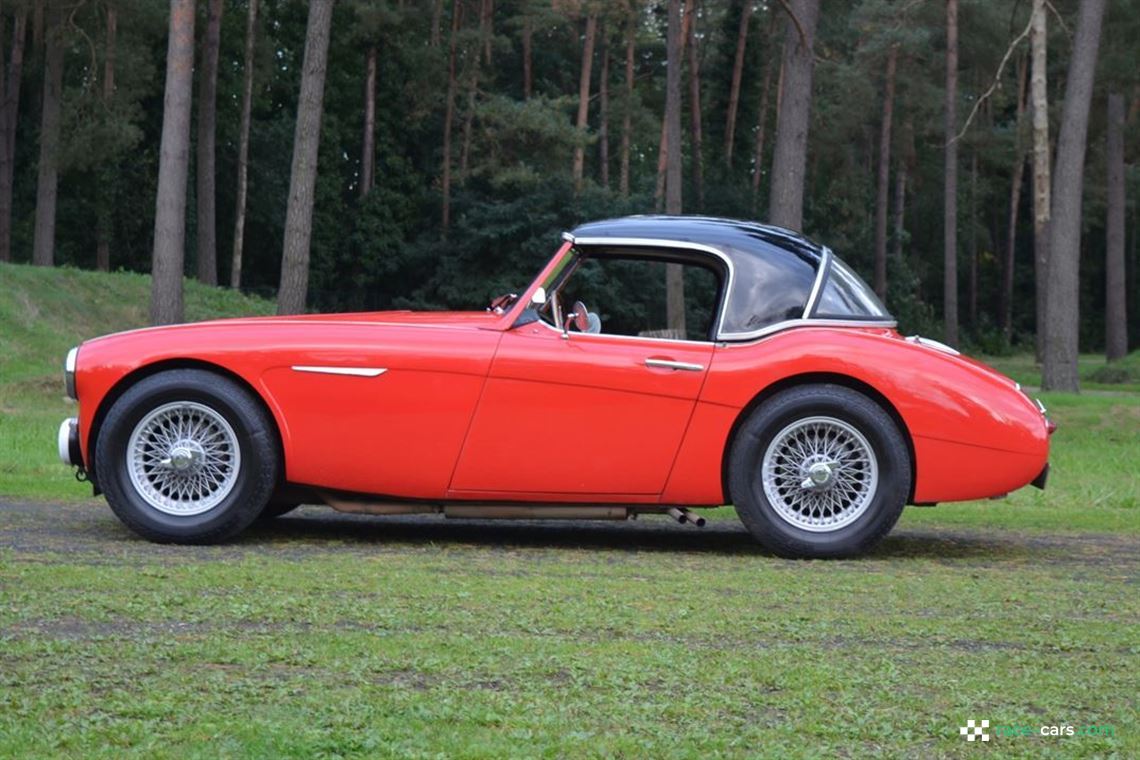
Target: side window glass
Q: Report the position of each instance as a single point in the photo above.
(629, 297)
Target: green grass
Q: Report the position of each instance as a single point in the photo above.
(1096, 373)
(324, 635)
(43, 313)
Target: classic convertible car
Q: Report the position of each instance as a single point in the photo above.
(726, 362)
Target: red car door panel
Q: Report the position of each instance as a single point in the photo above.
(398, 433)
(590, 415)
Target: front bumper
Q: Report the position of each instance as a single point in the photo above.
(68, 442)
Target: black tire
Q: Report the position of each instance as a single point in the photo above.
(277, 509)
(830, 402)
(253, 481)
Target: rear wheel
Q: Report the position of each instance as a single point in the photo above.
(819, 471)
(187, 456)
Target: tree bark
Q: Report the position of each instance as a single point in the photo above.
(292, 295)
(627, 116)
(950, 188)
(1042, 173)
(243, 146)
(528, 58)
(449, 117)
(368, 149)
(103, 222)
(1062, 299)
(207, 120)
(1116, 311)
(789, 160)
(486, 28)
(696, 139)
(972, 283)
(737, 76)
(761, 136)
(173, 166)
(43, 249)
(884, 179)
(674, 275)
(584, 99)
(436, 16)
(604, 115)
(1005, 297)
(8, 122)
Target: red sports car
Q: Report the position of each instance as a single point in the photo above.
(719, 362)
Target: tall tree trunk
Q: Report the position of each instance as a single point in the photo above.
(9, 114)
(449, 117)
(469, 120)
(761, 136)
(627, 115)
(1062, 300)
(294, 288)
(103, 221)
(436, 16)
(486, 28)
(1116, 311)
(950, 188)
(884, 179)
(900, 208)
(696, 138)
(38, 9)
(1005, 297)
(173, 167)
(674, 276)
(1042, 174)
(43, 249)
(243, 146)
(972, 283)
(207, 118)
(528, 57)
(789, 161)
(604, 115)
(584, 98)
(737, 76)
(368, 149)
(662, 166)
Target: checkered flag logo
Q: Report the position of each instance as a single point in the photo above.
(972, 730)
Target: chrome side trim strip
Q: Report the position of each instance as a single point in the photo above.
(669, 364)
(814, 322)
(353, 371)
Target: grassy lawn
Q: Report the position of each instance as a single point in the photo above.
(327, 635)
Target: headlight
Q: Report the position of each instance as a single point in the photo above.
(69, 372)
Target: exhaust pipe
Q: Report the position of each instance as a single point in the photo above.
(677, 515)
(694, 519)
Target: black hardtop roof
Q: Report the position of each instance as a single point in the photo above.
(731, 236)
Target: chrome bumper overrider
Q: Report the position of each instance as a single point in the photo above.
(68, 442)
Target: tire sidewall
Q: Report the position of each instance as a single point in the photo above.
(254, 438)
(851, 407)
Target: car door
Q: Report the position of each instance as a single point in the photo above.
(580, 417)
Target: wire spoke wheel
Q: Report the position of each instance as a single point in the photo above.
(183, 458)
(819, 474)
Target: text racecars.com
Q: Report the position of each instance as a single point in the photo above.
(982, 731)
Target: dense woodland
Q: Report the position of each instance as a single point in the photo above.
(974, 159)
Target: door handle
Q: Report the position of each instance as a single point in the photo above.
(670, 364)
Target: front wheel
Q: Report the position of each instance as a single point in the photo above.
(187, 456)
(819, 471)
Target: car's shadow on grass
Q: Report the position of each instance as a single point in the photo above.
(722, 536)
